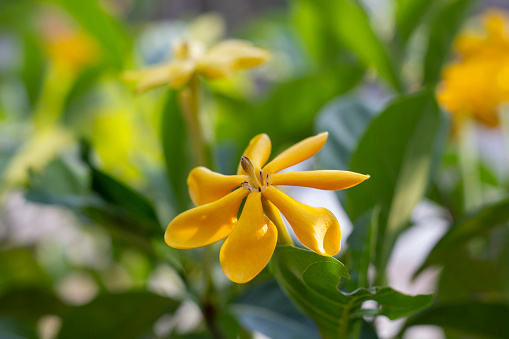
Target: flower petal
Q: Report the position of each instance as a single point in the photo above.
(323, 180)
(206, 186)
(206, 224)
(175, 74)
(297, 153)
(315, 227)
(258, 151)
(229, 56)
(250, 245)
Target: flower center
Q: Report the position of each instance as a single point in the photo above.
(258, 179)
(189, 50)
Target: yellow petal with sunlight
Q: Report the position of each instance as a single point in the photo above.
(206, 186)
(297, 153)
(229, 56)
(323, 180)
(206, 224)
(258, 151)
(316, 228)
(250, 245)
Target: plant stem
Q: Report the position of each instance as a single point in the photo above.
(190, 104)
(468, 160)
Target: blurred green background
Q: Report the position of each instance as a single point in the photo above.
(91, 174)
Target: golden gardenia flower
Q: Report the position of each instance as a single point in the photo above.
(474, 85)
(191, 57)
(252, 238)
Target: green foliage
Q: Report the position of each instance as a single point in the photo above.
(400, 165)
(123, 315)
(467, 318)
(444, 27)
(311, 281)
(175, 150)
(409, 13)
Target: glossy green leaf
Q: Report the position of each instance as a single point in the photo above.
(352, 28)
(464, 319)
(135, 205)
(266, 309)
(475, 225)
(110, 316)
(409, 13)
(311, 281)
(399, 150)
(444, 27)
(175, 150)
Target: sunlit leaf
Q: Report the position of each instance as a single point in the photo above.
(399, 150)
(311, 281)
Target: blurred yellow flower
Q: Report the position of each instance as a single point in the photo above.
(476, 84)
(251, 240)
(191, 57)
(71, 50)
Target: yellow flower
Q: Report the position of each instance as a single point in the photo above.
(475, 85)
(191, 57)
(252, 238)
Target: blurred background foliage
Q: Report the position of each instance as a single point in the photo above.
(91, 174)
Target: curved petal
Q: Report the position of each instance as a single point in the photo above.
(323, 180)
(206, 224)
(180, 73)
(229, 56)
(315, 227)
(175, 74)
(250, 245)
(206, 186)
(258, 151)
(297, 153)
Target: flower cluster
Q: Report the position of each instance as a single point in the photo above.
(478, 81)
(192, 57)
(252, 238)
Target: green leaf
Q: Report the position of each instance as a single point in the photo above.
(399, 150)
(460, 233)
(132, 203)
(175, 150)
(311, 281)
(34, 69)
(444, 27)
(345, 119)
(80, 98)
(103, 27)
(124, 315)
(297, 101)
(18, 268)
(30, 303)
(351, 27)
(470, 319)
(266, 309)
(409, 13)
